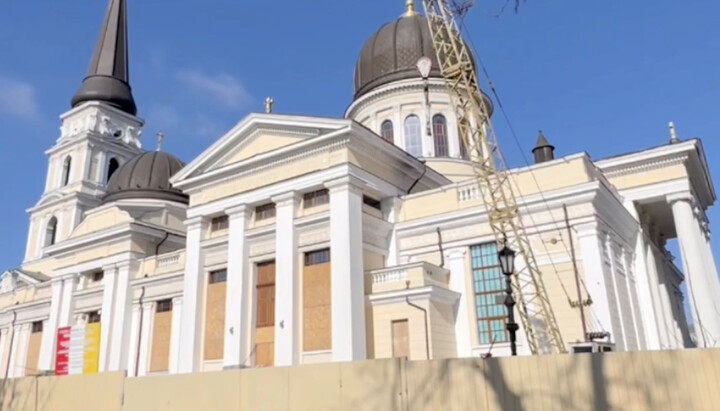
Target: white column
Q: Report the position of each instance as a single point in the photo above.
(398, 128)
(591, 251)
(458, 283)
(691, 243)
(19, 351)
(712, 276)
(102, 168)
(49, 337)
(347, 285)
(238, 277)
(4, 350)
(175, 334)
(67, 304)
(647, 310)
(106, 315)
(190, 326)
(120, 334)
(391, 208)
(287, 311)
(133, 342)
(145, 337)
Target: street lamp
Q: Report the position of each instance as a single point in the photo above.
(424, 66)
(507, 264)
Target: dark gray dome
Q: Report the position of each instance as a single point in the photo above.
(392, 54)
(146, 176)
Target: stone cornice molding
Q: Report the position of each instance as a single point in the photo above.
(239, 211)
(286, 199)
(650, 165)
(345, 183)
(194, 223)
(394, 88)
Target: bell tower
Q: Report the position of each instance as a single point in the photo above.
(99, 133)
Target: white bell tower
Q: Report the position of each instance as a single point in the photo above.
(97, 135)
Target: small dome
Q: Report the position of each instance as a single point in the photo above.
(146, 176)
(392, 54)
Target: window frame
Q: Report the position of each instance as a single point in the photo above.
(163, 306)
(316, 198)
(440, 135)
(387, 134)
(309, 257)
(94, 317)
(217, 276)
(219, 223)
(488, 284)
(413, 141)
(265, 211)
(37, 327)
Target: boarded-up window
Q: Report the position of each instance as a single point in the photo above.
(33, 350)
(215, 315)
(162, 325)
(400, 339)
(265, 315)
(317, 333)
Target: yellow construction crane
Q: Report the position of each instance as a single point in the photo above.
(535, 310)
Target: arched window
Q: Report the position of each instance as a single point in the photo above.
(66, 171)
(413, 137)
(386, 131)
(51, 232)
(112, 168)
(440, 135)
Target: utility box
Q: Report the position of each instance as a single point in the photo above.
(591, 347)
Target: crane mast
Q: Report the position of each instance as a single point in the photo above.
(495, 187)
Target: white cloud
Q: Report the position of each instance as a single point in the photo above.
(17, 98)
(224, 89)
(163, 117)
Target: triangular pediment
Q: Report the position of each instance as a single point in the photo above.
(256, 135)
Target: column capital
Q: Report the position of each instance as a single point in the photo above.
(348, 182)
(148, 305)
(285, 199)
(456, 253)
(194, 222)
(237, 211)
(177, 300)
(685, 196)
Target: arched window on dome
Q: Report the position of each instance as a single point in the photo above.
(440, 135)
(387, 132)
(51, 232)
(67, 164)
(113, 165)
(413, 137)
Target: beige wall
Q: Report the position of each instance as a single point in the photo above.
(659, 380)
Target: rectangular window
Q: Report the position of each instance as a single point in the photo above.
(265, 294)
(316, 198)
(372, 202)
(163, 306)
(489, 291)
(265, 211)
(217, 276)
(93, 317)
(219, 223)
(37, 327)
(98, 276)
(317, 257)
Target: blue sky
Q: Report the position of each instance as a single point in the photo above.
(600, 77)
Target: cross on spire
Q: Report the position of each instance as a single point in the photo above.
(269, 104)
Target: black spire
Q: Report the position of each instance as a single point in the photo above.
(543, 150)
(108, 79)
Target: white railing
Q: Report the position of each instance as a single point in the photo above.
(468, 193)
(393, 276)
(168, 261)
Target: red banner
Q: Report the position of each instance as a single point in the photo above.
(62, 360)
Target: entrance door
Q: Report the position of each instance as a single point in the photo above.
(265, 315)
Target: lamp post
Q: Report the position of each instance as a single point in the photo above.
(424, 65)
(507, 264)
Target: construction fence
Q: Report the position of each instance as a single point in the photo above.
(661, 380)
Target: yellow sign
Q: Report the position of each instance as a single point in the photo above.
(91, 358)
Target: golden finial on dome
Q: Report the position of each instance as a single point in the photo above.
(409, 8)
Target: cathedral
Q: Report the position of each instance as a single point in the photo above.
(298, 240)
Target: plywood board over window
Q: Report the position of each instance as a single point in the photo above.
(400, 339)
(215, 315)
(162, 326)
(33, 351)
(317, 332)
(265, 315)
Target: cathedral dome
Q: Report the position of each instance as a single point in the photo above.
(392, 53)
(146, 176)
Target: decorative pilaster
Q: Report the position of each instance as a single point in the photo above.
(698, 275)
(175, 334)
(287, 312)
(49, 337)
(596, 275)
(346, 276)
(458, 283)
(4, 349)
(189, 353)
(19, 351)
(121, 320)
(106, 319)
(237, 305)
(67, 304)
(133, 342)
(148, 316)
